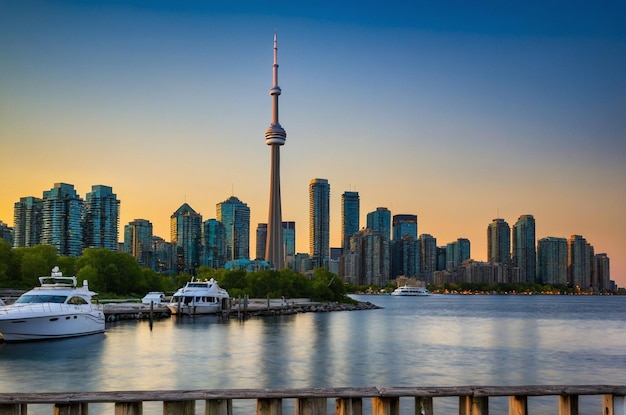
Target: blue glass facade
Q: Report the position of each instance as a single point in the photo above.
(27, 215)
(62, 216)
(186, 232)
(214, 244)
(524, 248)
(319, 222)
(102, 212)
(350, 217)
(380, 221)
(138, 242)
(235, 216)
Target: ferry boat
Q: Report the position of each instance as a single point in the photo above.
(199, 297)
(57, 309)
(406, 290)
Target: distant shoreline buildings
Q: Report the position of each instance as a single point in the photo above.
(387, 248)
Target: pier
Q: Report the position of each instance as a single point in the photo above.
(472, 400)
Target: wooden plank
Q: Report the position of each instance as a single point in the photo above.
(465, 405)
(179, 407)
(386, 406)
(614, 405)
(480, 405)
(311, 406)
(68, 409)
(129, 408)
(568, 405)
(424, 406)
(218, 407)
(349, 406)
(269, 407)
(10, 409)
(518, 405)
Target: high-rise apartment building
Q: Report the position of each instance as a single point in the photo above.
(214, 244)
(6, 233)
(235, 216)
(62, 215)
(186, 232)
(404, 225)
(603, 272)
(275, 137)
(405, 259)
(138, 242)
(289, 242)
(102, 217)
(319, 222)
(27, 222)
(580, 264)
(552, 261)
(380, 221)
(428, 255)
(499, 242)
(524, 248)
(261, 240)
(368, 261)
(457, 252)
(350, 212)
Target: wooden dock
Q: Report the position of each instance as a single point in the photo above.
(472, 400)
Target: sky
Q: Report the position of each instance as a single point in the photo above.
(458, 112)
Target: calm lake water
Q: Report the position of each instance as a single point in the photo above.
(441, 340)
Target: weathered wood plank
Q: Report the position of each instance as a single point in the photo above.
(179, 407)
(568, 405)
(129, 408)
(386, 406)
(311, 406)
(614, 405)
(424, 406)
(218, 407)
(269, 406)
(480, 405)
(10, 409)
(518, 405)
(349, 406)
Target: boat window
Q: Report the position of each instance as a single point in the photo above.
(42, 299)
(77, 300)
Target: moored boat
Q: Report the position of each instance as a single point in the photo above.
(409, 291)
(199, 297)
(56, 309)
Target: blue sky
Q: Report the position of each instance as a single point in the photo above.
(457, 112)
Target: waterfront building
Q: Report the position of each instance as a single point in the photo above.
(138, 242)
(275, 137)
(603, 272)
(289, 242)
(499, 242)
(350, 212)
(579, 262)
(380, 221)
(552, 261)
(368, 261)
(62, 215)
(261, 240)
(405, 257)
(404, 225)
(428, 256)
(235, 216)
(185, 233)
(102, 218)
(164, 255)
(524, 248)
(27, 222)
(214, 244)
(319, 222)
(6, 233)
(441, 258)
(457, 252)
(478, 272)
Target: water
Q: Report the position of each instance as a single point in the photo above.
(441, 340)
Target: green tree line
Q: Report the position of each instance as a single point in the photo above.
(118, 275)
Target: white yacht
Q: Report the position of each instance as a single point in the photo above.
(199, 297)
(406, 290)
(56, 309)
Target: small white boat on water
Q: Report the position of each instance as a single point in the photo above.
(409, 291)
(199, 297)
(57, 309)
(156, 297)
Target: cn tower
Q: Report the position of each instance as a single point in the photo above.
(275, 137)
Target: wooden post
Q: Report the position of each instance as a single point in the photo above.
(614, 405)
(518, 405)
(269, 407)
(480, 405)
(179, 407)
(568, 405)
(129, 408)
(465, 405)
(424, 406)
(11, 409)
(218, 407)
(311, 406)
(349, 406)
(70, 409)
(386, 406)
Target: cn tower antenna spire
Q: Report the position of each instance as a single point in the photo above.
(275, 137)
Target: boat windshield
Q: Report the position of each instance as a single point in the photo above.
(60, 299)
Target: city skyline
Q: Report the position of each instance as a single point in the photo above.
(458, 114)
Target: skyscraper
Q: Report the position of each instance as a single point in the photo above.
(214, 243)
(235, 216)
(62, 219)
(275, 137)
(185, 233)
(524, 248)
(102, 217)
(499, 242)
(580, 258)
(261, 240)
(552, 260)
(380, 221)
(138, 242)
(289, 238)
(319, 222)
(27, 222)
(428, 255)
(404, 225)
(350, 211)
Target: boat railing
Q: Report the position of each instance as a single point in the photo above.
(472, 400)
